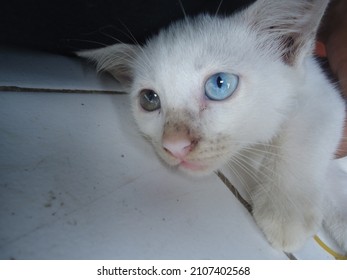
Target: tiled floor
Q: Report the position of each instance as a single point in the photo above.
(78, 182)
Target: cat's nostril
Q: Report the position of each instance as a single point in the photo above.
(178, 148)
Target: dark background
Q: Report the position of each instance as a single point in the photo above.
(68, 25)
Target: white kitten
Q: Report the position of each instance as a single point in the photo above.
(244, 90)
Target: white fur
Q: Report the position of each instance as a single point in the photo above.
(282, 125)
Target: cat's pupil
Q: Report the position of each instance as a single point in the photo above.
(151, 96)
(219, 82)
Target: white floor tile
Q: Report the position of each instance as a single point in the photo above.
(30, 69)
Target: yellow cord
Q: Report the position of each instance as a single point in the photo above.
(336, 255)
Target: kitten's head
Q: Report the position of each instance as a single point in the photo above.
(204, 88)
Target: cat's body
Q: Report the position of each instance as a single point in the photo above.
(245, 91)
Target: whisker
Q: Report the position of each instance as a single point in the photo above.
(89, 41)
(254, 144)
(242, 164)
(114, 38)
(129, 34)
(238, 175)
(145, 60)
(234, 190)
(232, 165)
(218, 8)
(261, 152)
(183, 10)
(269, 177)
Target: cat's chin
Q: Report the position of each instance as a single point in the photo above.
(186, 165)
(194, 169)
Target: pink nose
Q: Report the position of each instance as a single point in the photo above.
(179, 148)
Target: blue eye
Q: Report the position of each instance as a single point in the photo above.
(221, 85)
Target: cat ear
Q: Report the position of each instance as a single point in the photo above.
(116, 59)
(289, 27)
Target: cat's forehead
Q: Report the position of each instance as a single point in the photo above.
(178, 62)
(195, 47)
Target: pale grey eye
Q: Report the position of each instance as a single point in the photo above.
(149, 100)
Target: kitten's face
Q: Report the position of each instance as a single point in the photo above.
(205, 88)
(180, 73)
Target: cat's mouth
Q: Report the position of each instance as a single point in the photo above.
(192, 166)
(187, 163)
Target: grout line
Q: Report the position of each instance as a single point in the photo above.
(52, 90)
(235, 192)
(291, 256)
(244, 202)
